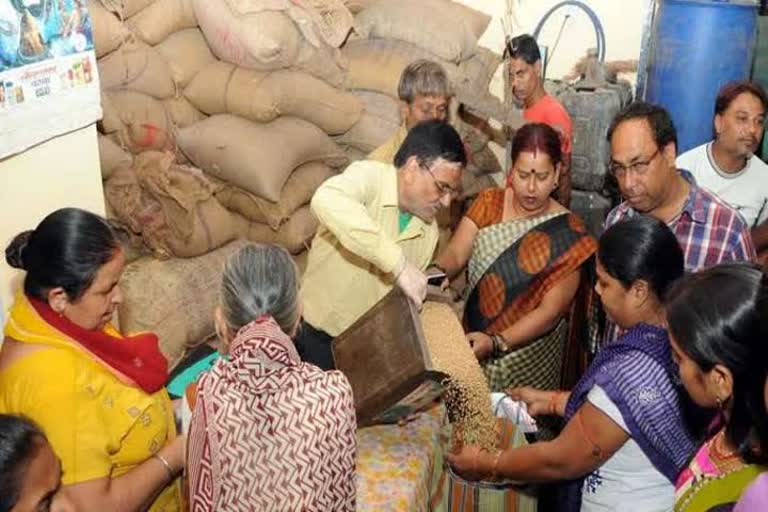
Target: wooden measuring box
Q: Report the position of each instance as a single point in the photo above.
(387, 362)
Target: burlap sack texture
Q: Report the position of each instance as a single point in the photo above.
(276, 34)
(137, 122)
(379, 120)
(171, 206)
(186, 53)
(264, 96)
(446, 29)
(256, 157)
(173, 298)
(297, 192)
(112, 156)
(150, 60)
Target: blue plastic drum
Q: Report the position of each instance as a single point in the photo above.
(697, 46)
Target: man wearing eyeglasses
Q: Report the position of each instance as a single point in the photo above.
(643, 150)
(377, 230)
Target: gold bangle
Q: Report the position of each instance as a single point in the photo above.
(495, 467)
(165, 463)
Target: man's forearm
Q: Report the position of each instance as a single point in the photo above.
(564, 183)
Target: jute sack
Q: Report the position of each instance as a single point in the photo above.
(174, 299)
(325, 62)
(197, 222)
(171, 206)
(301, 261)
(299, 94)
(213, 227)
(110, 118)
(376, 65)
(297, 192)
(182, 112)
(379, 121)
(295, 235)
(276, 34)
(264, 40)
(320, 22)
(161, 19)
(208, 90)
(125, 8)
(137, 67)
(484, 161)
(112, 156)
(186, 53)
(354, 154)
(257, 157)
(472, 184)
(144, 124)
(108, 32)
(136, 210)
(481, 159)
(355, 6)
(263, 96)
(448, 29)
(475, 74)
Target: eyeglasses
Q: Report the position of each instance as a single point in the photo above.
(637, 168)
(443, 188)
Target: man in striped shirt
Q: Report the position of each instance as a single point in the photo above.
(643, 150)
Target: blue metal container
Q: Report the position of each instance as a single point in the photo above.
(697, 47)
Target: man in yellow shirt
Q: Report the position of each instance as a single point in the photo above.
(425, 94)
(377, 230)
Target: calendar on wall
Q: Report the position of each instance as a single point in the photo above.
(48, 79)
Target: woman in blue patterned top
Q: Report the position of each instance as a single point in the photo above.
(625, 440)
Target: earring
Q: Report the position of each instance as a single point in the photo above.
(718, 402)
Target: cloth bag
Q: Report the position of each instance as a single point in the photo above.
(451, 493)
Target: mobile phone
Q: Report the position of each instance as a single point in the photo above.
(436, 279)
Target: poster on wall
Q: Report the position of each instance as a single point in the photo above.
(48, 79)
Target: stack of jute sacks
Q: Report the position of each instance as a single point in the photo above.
(390, 34)
(217, 117)
(216, 126)
(222, 117)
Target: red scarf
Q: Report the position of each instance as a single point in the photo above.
(136, 357)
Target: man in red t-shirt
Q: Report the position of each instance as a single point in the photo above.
(538, 106)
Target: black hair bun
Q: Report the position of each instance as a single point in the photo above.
(14, 253)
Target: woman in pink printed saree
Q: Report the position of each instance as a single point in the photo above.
(268, 431)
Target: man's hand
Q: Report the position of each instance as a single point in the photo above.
(413, 282)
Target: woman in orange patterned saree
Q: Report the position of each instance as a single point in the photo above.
(524, 252)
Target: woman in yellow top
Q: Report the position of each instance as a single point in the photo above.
(97, 395)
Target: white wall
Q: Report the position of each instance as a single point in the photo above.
(64, 171)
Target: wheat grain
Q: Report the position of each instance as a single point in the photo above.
(467, 394)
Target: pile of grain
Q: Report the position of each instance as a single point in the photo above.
(467, 393)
